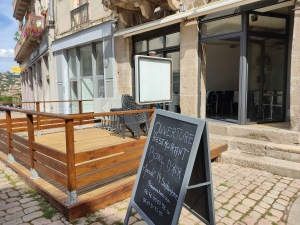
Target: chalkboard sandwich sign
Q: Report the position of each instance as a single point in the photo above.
(174, 171)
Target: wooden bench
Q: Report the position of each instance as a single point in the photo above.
(216, 150)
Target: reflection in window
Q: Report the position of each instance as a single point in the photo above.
(72, 63)
(86, 61)
(99, 59)
(173, 39)
(156, 43)
(101, 89)
(175, 56)
(266, 24)
(140, 46)
(222, 26)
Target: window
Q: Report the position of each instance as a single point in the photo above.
(86, 61)
(72, 63)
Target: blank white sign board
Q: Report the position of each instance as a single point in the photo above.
(153, 78)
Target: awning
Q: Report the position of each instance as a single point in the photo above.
(177, 18)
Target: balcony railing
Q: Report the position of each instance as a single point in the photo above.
(80, 15)
(30, 38)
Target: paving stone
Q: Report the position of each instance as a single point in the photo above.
(222, 188)
(32, 216)
(272, 218)
(278, 206)
(227, 221)
(57, 222)
(282, 202)
(255, 196)
(295, 185)
(14, 209)
(10, 205)
(264, 205)
(260, 209)
(16, 215)
(292, 189)
(241, 208)
(221, 199)
(229, 207)
(268, 200)
(222, 212)
(184, 221)
(30, 204)
(233, 190)
(240, 196)
(287, 193)
(276, 213)
(285, 181)
(264, 221)
(108, 211)
(281, 184)
(41, 221)
(284, 198)
(234, 201)
(3, 196)
(227, 194)
(217, 205)
(140, 223)
(235, 215)
(278, 188)
(249, 202)
(2, 213)
(217, 218)
(265, 187)
(255, 214)
(31, 209)
(14, 222)
(270, 195)
(24, 200)
(249, 220)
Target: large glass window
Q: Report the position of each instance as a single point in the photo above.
(222, 26)
(99, 59)
(166, 43)
(72, 63)
(86, 61)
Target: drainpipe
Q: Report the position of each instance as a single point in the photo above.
(51, 19)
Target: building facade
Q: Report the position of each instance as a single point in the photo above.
(33, 50)
(235, 61)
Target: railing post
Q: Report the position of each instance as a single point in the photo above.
(69, 130)
(30, 128)
(9, 129)
(152, 106)
(38, 109)
(80, 112)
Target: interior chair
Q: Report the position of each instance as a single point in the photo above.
(278, 103)
(235, 100)
(227, 99)
(209, 101)
(256, 103)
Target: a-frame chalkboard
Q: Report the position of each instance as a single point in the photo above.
(174, 171)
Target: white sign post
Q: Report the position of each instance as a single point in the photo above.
(153, 79)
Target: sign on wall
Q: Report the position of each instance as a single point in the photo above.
(15, 69)
(153, 79)
(174, 171)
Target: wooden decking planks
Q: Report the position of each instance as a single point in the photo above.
(86, 139)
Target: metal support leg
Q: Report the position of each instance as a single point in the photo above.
(33, 174)
(11, 158)
(72, 198)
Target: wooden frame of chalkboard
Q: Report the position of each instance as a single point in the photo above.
(175, 170)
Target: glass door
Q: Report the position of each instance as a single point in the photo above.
(74, 106)
(222, 60)
(266, 79)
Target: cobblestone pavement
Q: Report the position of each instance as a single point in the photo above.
(242, 196)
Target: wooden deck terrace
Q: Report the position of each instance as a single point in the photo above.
(78, 171)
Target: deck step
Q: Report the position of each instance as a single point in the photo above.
(272, 165)
(216, 149)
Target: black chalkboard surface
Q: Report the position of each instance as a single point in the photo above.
(166, 167)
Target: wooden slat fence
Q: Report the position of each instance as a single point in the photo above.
(20, 148)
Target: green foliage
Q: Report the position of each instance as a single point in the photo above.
(47, 209)
(5, 98)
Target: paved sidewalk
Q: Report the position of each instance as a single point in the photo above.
(242, 196)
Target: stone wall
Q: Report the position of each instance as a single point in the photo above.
(295, 72)
(189, 68)
(123, 54)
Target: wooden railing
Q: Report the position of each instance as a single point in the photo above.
(71, 170)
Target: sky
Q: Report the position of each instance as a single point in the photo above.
(8, 28)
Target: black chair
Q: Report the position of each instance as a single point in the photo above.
(227, 99)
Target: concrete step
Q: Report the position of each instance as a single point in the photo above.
(258, 147)
(275, 166)
(256, 132)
